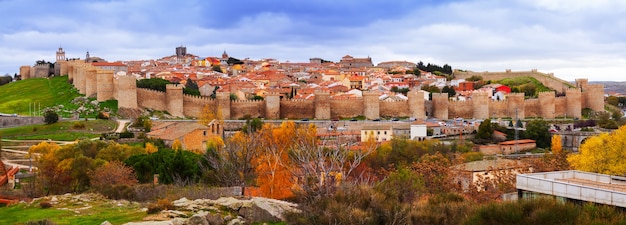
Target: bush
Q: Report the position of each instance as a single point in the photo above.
(45, 204)
(160, 205)
(102, 116)
(41, 222)
(78, 125)
(127, 134)
(50, 117)
(117, 191)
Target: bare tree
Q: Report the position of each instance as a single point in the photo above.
(320, 161)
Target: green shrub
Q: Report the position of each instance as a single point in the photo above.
(127, 134)
(50, 117)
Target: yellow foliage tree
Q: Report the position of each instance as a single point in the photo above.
(209, 114)
(150, 148)
(557, 145)
(177, 145)
(605, 153)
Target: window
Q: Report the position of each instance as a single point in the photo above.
(377, 132)
(205, 133)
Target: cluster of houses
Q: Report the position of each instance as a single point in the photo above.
(248, 78)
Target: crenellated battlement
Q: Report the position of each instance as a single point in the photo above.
(174, 86)
(324, 106)
(511, 95)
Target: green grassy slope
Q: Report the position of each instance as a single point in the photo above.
(15, 97)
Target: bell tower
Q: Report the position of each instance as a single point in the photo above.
(60, 55)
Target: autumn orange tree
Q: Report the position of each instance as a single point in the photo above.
(272, 165)
(604, 153)
(113, 173)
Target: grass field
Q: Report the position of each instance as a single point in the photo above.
(60, 131)
(32, 96)
(72, 214)
(15, 97)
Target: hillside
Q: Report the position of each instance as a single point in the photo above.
(15, 97)
(22, 96)
(525, 84)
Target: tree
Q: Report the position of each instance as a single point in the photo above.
(485, 130)
(556, 144)
(191, 88)
(612, 100)
(538, 130)
(182, 167)
(272, 164)
(158, 84)
(209, 114)
(112, 178)
(217, 68)
(604, 154)
(232, 163)
(450, 90)
(323, 165)
(50, 116)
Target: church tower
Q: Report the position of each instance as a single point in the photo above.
(87, 57)
(60, 55)
(224, 59)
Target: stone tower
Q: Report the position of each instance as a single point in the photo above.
(371, 104)
(91, 79)
(127, 92)
(515, 102)
(174, 99)
(547, 105)
(223, 102)
(181, 51)
(416, 104)
(440, 105)
(79, 78)
(594, 97)
(322, 105)
(272, 105)
(480, 105)
(104, 88)
(25, 72)
(573, 102)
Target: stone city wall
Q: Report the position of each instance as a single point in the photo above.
(395, 109)
(297, 108)
(346, 108)
(152, 99)
(123, 89)
(247, 108)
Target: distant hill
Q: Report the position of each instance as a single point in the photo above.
(612, 86)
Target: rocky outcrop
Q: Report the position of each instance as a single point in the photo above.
(225, 211)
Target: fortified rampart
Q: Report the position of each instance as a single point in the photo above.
(480, 105)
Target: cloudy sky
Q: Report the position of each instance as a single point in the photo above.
(570, 38)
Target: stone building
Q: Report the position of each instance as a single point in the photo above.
(351, 62)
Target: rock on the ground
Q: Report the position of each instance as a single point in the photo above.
(106, 222)
(215, 219)
(254, 214)
(150, 223)
(197, 220)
